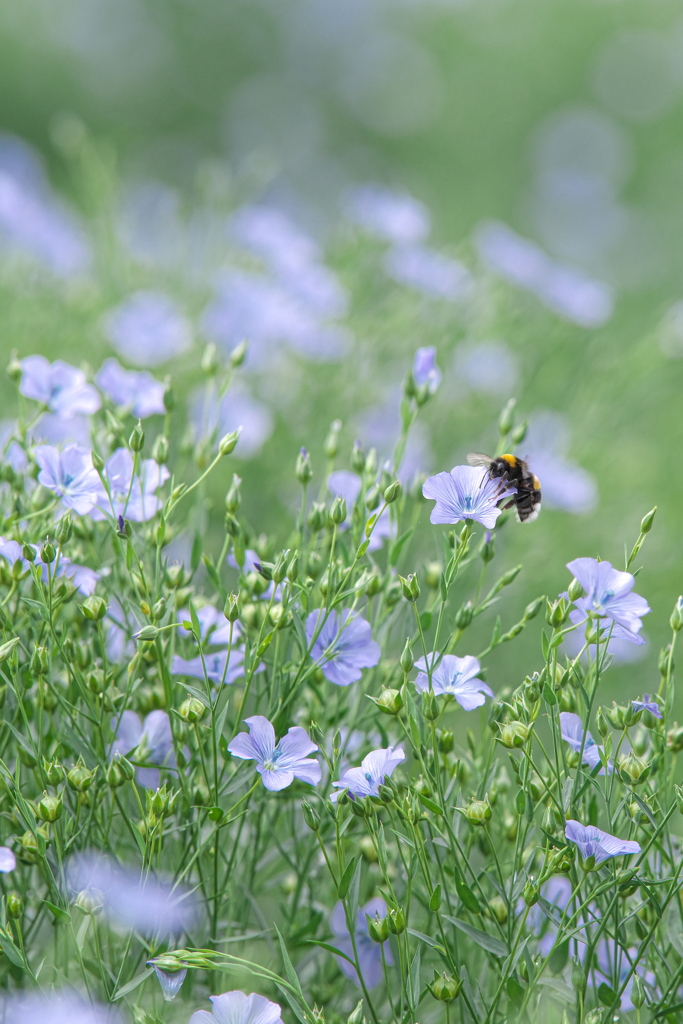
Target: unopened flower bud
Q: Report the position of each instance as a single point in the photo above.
(192, 710)
(311, 816)
(169, 396)
(14, 904)
(94, 608)
(338, 511)
(464, 615)
(407, 660)
(136, 441)
(578, 975)
(430, 706)
(410, 587)
(602, 723)
(160, 450)
(499, 909)
(519, 432)
(676, 620)
(373, 498)
(357, 458)
(557, 613)
(331, 445)
(233, 498)
(304, 470)
(228, 442)
(39, 661)
(357, 1016)
(392, 492)
(210, 360)
(238, 354)
(531, 892)
(647, 520)
(28, 552)
(14, 370)
(638, 990)
(91, 901)
(231, 609)
(146, 634)
(316, 517)
(507, 418)
(532, 610)
(478, 812)
(64, 529)
(48, 553)
(574, 590)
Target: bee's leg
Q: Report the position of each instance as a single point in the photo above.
(509, 504)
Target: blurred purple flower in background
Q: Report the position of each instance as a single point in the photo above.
(70, 475)
(151, 742)
(33, 222)
(609, 595)
(277, 763)
(138, 392)
(212, 416)
(133, 899)
(377, 766)
(12, 552)
(571, 727)
(467, 492)
(425, 369)
(148, 329)
(64, 1007)
(369, 951)
(344, 645)
(488, 367)
(269, 314)
(54, 430)
(237, 1008)
(347, 485)
(428, 271)
(8, 861)
(569, 292)
(392, 216)
(212, 666)
(59, 386)
(458, 677)
(132, 496)
(566, 485)
(593, 842)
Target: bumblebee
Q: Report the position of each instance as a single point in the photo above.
(516, 473)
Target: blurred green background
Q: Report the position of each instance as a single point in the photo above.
(560, 118)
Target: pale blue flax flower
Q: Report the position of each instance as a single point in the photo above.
(593, 842)
(374, 769)
(647, 705)
(467, 492)
(458, 677)
(425, 369)
(343, 646)
(369, 952)
(70, 474)
(237, 1008)
(8, 861)
(572, 730)
(427, 271)
(277, 763)
(389, 215)
(65, 1007)
(59, 386)
(609, 595)
(212, 666)
(150, 742)
(135, 391)
(132, 496)
(148, 329)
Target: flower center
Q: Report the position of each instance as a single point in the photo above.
(270, 764)
(467, 503)
(600, 602)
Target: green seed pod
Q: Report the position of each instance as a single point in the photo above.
(514, 734)
(94, 608)
(397, 920)
(445, 987)
(389, 702)
(80, 778)
(15, 905)
(410, 586)
(192, 710)
(531, 892)
(478, 812)
(49, 808)
(378, 928)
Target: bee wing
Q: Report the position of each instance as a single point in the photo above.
(479, 459)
